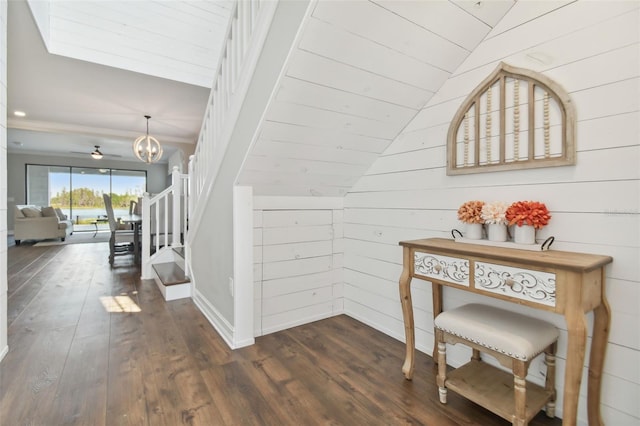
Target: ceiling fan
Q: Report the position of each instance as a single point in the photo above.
(96, 154)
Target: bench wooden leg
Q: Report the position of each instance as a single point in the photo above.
(475, 355)
(550, 380)
(520, 390)
(442, 367)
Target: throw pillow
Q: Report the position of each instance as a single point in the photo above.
(49, 212)
(31, 212)
(60, 215)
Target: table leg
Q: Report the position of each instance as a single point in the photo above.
(407, 314)
(436, 293)
(136, 242)
(601, 324)
(577, 341)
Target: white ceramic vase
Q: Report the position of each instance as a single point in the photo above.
(474, 231)
(497, 232)
(525, 234)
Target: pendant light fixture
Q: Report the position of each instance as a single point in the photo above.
(147, 148)
(96, 154)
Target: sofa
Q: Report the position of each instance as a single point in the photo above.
(40, 223)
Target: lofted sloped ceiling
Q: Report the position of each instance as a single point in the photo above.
(360, 71)
(178, 40)
(86, 73)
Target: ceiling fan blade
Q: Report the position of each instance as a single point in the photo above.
(88, 153)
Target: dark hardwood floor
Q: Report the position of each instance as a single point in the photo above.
(90, 345)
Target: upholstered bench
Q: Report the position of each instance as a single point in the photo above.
(514, 340)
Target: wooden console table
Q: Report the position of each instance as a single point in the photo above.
(566, 283)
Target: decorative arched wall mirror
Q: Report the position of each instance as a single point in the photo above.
(515, 119)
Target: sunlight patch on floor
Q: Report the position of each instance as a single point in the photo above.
(117, 304)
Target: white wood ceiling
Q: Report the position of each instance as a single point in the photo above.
(94, 97)
(360, 72)
(178, 40)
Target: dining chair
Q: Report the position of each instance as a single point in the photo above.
(133, 209)
(121, 240)
(133, 206)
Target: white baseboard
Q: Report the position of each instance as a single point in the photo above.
(218, 322)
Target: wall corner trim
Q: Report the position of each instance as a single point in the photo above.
(243, 266)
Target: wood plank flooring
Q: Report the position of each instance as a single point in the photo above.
(91, 345)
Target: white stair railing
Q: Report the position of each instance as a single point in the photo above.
(246, 33)
(164, 220)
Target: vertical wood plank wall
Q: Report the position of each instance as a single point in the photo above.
(591, 49)
(3, 178)
(297, 263)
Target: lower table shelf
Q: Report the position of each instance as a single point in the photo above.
(492, 389)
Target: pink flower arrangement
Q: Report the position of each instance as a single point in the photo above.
(532, 213)
(494, 213)
(471, 212)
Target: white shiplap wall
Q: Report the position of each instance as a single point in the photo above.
(297, 261)
(3, 178)
(592, 49)
(358, 72)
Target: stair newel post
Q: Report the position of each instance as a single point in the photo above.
(175, 206)
(146, 236)
(191, 182)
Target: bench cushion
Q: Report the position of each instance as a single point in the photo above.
(510, 333)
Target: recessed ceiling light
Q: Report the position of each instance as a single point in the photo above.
(19, 113)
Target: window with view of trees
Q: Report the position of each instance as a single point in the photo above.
(78, 190)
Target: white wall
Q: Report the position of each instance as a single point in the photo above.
(3, 178)
(592, 50)
(297, 261)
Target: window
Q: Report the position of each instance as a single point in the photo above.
(78, 190)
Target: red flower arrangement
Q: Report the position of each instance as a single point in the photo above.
(532, 213)
(471, 212)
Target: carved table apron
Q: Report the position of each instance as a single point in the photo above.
(570, 284)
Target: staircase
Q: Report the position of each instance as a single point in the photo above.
(227, 273)
(164, 230)
(171, 278)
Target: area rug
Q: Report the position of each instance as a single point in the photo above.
(77, 238)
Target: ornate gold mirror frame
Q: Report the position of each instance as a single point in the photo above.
(515, 119)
